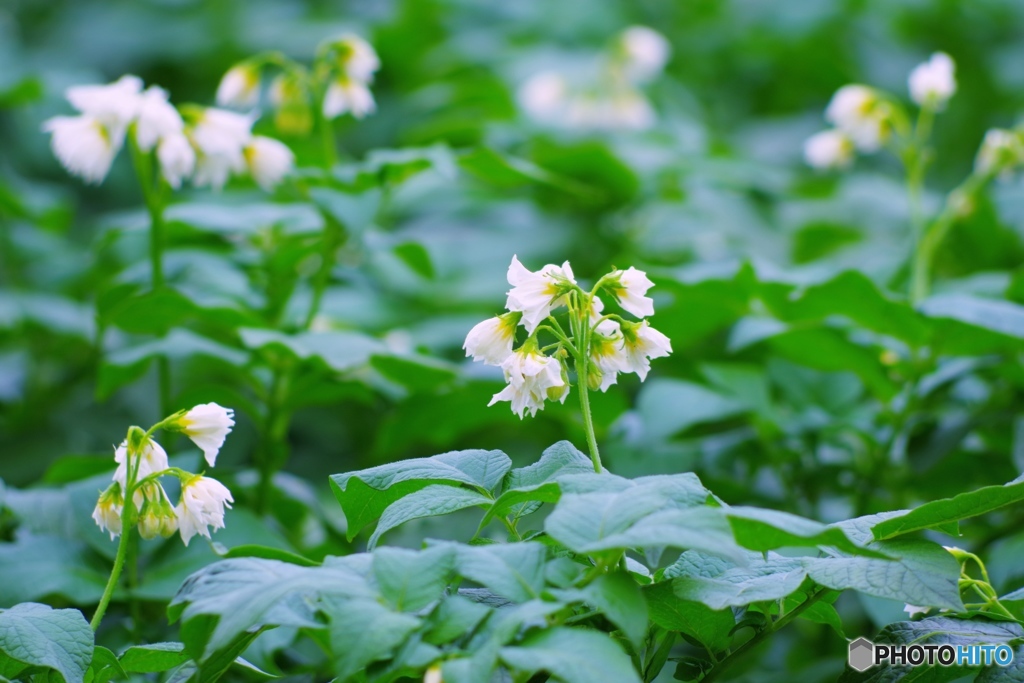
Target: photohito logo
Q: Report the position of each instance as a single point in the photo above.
(864, 654)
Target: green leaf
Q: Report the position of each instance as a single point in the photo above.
(509, 172)
(268, 553)
(437, 499)
(923, 574)
(527, 487)
(363, 631)
(710, 627)
(414, 255)
(360, 492)
(153, 658)
(415, 372)
(939, 513)
(719, 584)
(572, 655)
(763, 530)
(668, 406)
(154, 312)
(104, 666)
(514, 571)
(410, 580)
(453, 618)
(337, 350)
(620, 599)
(34, 635)
(35, 567)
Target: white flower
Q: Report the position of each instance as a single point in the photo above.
(933, 83)
(207, 424)
(912, 610)
(115, 105)
(358, 58)
(177, 159)
(642, 343)
(532, 378)
(221, 137)
(213, 171)
(858, 111)
(544, 96)
(829, 149)
(1000, 151)
(156, 515)
(240, 87)
(646, 52)
(491, 341)
(83, 145)
(630, 110)
(608, 353)
(536, 294)
(107, 513)
(153, 458)
(269, 161)
(629, 287)
(157, 119)
(433, 675)
(202, 505)
(348, 95)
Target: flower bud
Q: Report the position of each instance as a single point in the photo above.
(293, 114)
(594, 377)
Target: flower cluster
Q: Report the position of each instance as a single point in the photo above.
(341, 80)
(601, 345)
(865, 119)
(638, 56)
(136, 495)
(205, 145)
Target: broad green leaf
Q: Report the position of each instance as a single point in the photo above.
(719, 584)
(619, 598)
(710, 627)
(153, 658)
(415, 372)
(821, 612)
(453, 618)
(437, 499)
(509, 172)
(410, 580)
(34, 635)
(269, 553)
(415, 255)
(360, 492)
(514, 571)
(363, 631)
(104, 666)
(951, 510)
(572, 655)
(527, 487)
(35, 567)
(762, 530)
(152, 312)
(340, 351)
(1002, 317)
(923, 573)
(669, 406)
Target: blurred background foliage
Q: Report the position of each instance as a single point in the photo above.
(434, 195)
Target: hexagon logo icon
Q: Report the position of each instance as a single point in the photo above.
(862, 654)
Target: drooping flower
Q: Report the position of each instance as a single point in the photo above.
(290, 100)
(358, 59)
(491, 340)
(932, 83)
(536, 294)
(157, 119)
(83, 145)
(860, 112)
(220, 137)
(348, 95)
(240, 87)
(156, 515)
(433, 675)
(829, 149)
(207, 425)
(629, 287)
(607, 355)
(269, 161)
(544, 96)
(115, 105)
(532, 379)
(177, 159)
(642, 343)
(646, 52)
(1000, 151)
(109, 507)
(151, 458)
(201, 507)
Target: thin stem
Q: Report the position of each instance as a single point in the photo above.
(273, 451)
(115, 574)
(916, 161)
(777, 625)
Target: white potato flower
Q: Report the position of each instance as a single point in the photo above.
(491, 340)
(348, 95)
(151, 459)
(109, 507)
(607, 354)
(829, 149)
(859, 111)
(220, 136)
(646, 52)
(83, 145)
(544, 96)
(157, 119)
(532, 379)
(201, 507)
(913, 610)
(358, 58)
(240, 87)
(156, 515)
(642, 343)
(433, 675)
(177, 159)
(115, 104)
(1000, 151)
(269, 161)
(932, 83)
(629, 287)
(208, 425)
(536, 294)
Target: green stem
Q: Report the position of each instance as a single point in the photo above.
(916, 161)
(588, 422)
(273, 451)
(115, 574)
(777, 625)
